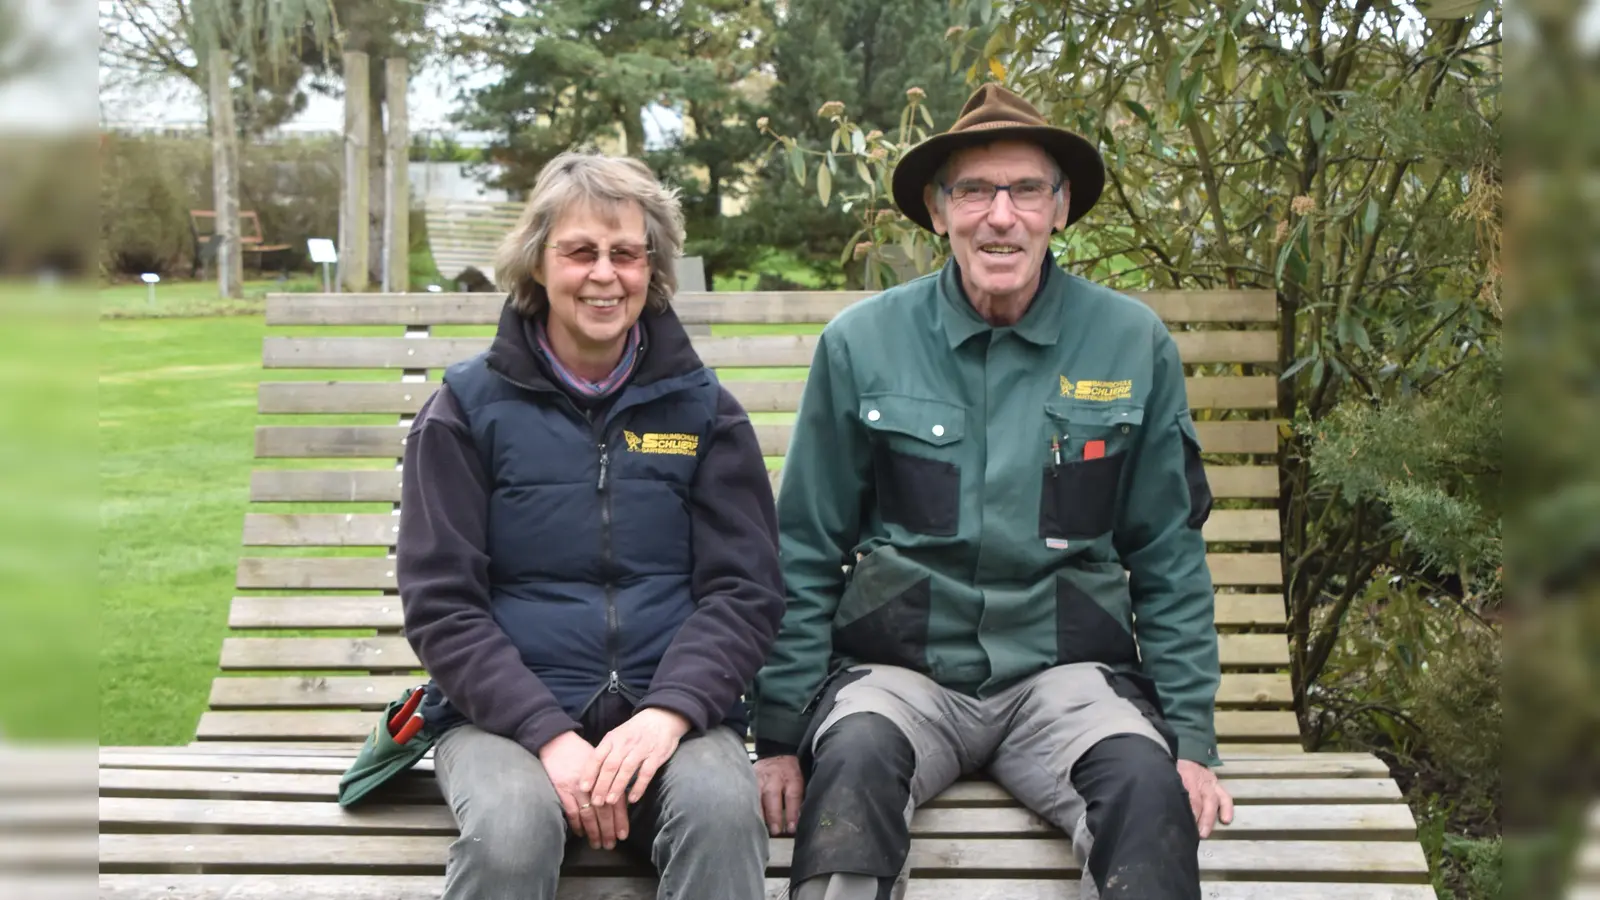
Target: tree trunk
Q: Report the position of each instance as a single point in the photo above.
(397, 199)
(353, 188)
(377, 174)
(633, 130)
(225, 178)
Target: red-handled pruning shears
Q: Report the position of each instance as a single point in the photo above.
(407, 722)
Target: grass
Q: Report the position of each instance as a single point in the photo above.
(177, 406)
(48, 629)
(194, 298)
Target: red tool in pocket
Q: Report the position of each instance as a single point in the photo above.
(405, 723)
(1094, 449)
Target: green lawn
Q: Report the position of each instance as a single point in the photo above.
(194, 298)
(47, 456)
(177, 404)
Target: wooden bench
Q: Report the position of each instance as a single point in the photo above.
(251, 237)
(465, 234)
(315, 649)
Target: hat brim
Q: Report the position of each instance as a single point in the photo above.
(1081, 165)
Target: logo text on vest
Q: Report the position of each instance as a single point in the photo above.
(671, 444)
(1096, 390)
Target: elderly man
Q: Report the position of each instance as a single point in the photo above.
(990, 532)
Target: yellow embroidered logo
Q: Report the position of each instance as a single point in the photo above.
(1096, 390)
(671, 444)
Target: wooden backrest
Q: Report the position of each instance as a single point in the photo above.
(465, 233)
(316, 641)
(249, 225)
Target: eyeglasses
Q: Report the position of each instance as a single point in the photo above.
(587, 253)
(1029, 194)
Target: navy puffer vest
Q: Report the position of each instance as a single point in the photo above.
(590, 556)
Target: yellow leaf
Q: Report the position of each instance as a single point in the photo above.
(824, 183)
(997, 70)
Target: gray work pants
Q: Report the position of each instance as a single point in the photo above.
(700, 822)
(1073, 743)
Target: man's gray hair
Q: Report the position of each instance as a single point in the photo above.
(603, 184)
(943, 175)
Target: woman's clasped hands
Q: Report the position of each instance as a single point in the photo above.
(596, 784)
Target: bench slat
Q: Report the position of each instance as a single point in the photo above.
(373, 692)
(383, 485)
(1329, 859)
(384, 612)
(394, 654)
(759, 351)
(388, 441)
(383, 529)
(377, 573)
(1372, 822)
(422, 788)
(702, 308)
(402, 398)
(233, 757)
(426, 887)
(1232, 725)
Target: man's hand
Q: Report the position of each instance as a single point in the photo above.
(566, 758)
(782, 788)
(641, 745)
(1207, 798)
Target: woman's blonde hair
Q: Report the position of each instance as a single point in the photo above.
(602, 184)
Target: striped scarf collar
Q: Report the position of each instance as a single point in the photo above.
(581, 386)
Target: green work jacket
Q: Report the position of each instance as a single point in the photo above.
(980, 503)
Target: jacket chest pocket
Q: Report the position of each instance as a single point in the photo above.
(1082, 479)
(914, 468)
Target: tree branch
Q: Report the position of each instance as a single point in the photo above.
(1213, 195)
(1369, 242)
(1138, 223)
(1323, 648)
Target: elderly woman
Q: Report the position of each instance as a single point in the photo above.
(588, 562)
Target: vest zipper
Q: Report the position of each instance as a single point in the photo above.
(612, 625)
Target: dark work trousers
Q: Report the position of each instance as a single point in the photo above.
(1073, 744)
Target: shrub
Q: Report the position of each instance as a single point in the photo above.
(146, 192)
(149, 183)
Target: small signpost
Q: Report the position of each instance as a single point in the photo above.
(150, 279)
(323, 251)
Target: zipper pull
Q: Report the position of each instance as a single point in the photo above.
(605, 461)
(615, 685)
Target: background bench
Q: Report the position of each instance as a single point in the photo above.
(203, 228)
(464, 234)
(315, 647)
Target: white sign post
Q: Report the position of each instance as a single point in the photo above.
(323, 251)
(150, 278)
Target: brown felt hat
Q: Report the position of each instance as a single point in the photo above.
(993, 113)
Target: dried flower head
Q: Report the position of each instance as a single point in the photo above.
(953, 30)
(1303, 205)
(830, 109)
(761, 124)
(1281, 232)
(873, 135)
(877, 154)
(915, 93)
(862, 248)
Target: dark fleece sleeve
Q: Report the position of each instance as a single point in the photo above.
(737, 584)
(443, 569)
